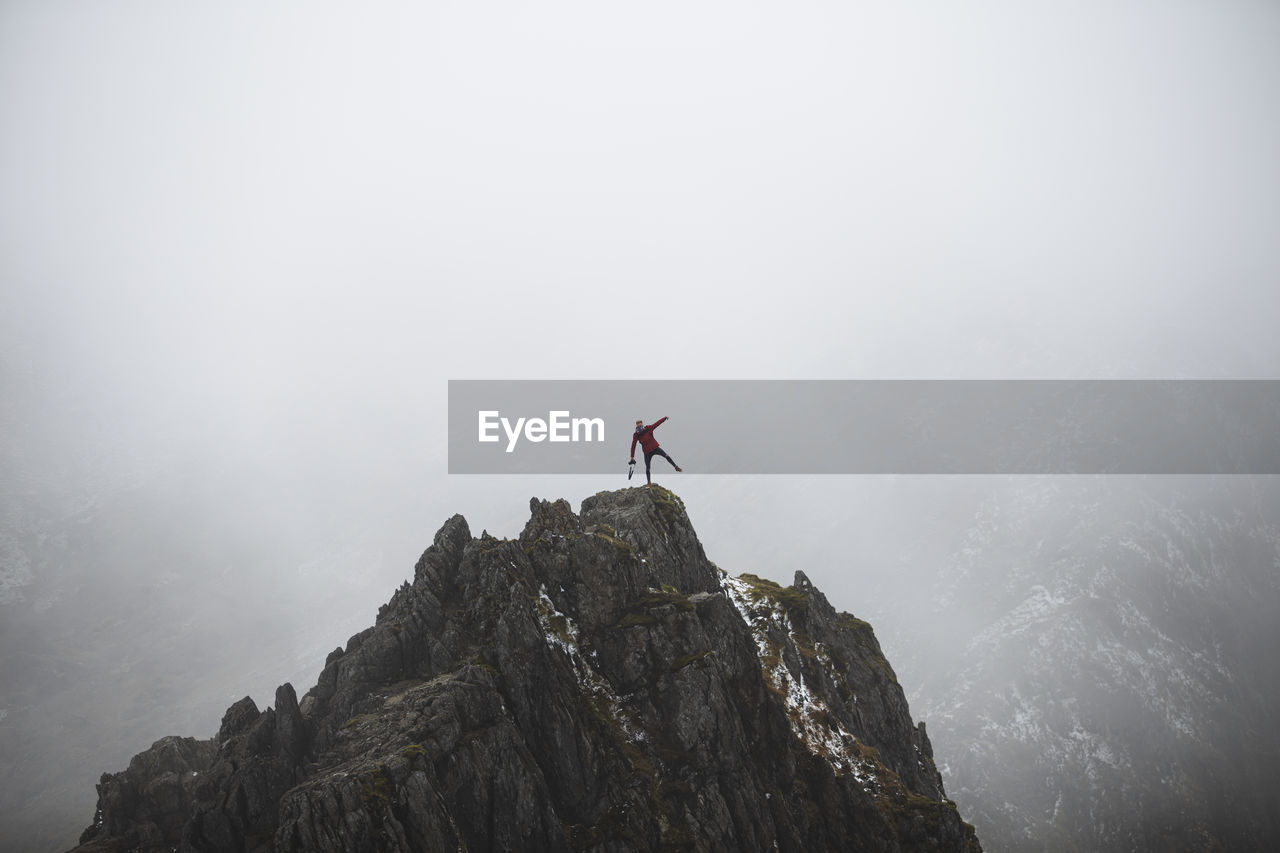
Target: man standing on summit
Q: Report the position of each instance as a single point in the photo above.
(649, 444)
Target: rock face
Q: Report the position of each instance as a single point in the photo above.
(595, 684)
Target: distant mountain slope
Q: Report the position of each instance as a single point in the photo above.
(1112, 682)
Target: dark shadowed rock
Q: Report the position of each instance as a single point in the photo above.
(595, 684)
(148, 804)
(238, 717)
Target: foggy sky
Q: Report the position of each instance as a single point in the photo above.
(241, 233)
(243, 246)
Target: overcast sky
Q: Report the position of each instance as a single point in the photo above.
(242, 230)
(284, 208)
(252, 241)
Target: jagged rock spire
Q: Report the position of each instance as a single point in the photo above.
(595, 684)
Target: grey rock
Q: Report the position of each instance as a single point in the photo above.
(595, 684)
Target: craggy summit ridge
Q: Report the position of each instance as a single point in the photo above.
(595, 684)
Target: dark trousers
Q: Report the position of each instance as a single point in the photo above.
(648, 461)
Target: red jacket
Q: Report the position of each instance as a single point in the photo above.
(644, 435)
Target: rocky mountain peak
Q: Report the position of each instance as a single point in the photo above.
(594, 684)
